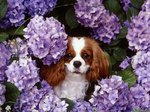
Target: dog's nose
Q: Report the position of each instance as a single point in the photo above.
(77, 64)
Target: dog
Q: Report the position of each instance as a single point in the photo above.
(84, 63)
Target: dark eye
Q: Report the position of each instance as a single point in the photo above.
(69, 56)
(85, 56)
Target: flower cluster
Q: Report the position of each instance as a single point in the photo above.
(141, 98)
(111, 95)
(46, 39)
(15, 14)
(2, 96)
(5, 56)
(39, 7)
(18, 48)
(141, 66)
(23, 73)
(82, 106)
(17, 9)
(40, 100)
(125, 63)
(139, 31)
(91, 13)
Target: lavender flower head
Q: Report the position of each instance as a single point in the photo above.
(82, 106)
(111, 95)
(23, 73)
(39, 7)
(107, 29)
(94, 15)
(126, 4)
(141, 98)
(89, 12)
(139, 32)
(18, 47)
(141, 66)
(46, 39)
(2, 96)
(125, 63)
(5, 56)
(40, 100)
(14, 15)
(146, 6)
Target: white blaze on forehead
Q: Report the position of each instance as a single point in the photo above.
(78, 44)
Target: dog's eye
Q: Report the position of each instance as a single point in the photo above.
(85, 56)
(69, 56)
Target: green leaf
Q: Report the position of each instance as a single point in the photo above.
(12, 93)
(113, 6)
(128, 76)
(18, 31)
(3, 36)
(123, 32)
(3, 8)
(137, 3)
(69, 102)
(71, 19)
(131, 12)
(119, 53)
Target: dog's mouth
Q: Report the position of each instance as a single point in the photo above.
(77, 71)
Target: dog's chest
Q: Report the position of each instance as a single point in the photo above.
(73, 87)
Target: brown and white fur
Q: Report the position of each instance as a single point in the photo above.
(83, 63)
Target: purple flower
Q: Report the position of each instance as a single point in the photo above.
(18, 47)
(39, 7)
(40, 100)
(146, 6)
(141, 98)
(82, 106)
(14, 15)
(23, 73)
(125, 63)
(46, 39)
(139, 31)
(141, 66)
(89, 12)
(111, 95)
(107, 30)
(93, 14)
(125, 4)
(2, 96)
(5, 56)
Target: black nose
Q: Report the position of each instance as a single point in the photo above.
(77, 64)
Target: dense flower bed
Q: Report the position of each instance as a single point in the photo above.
(31, 31)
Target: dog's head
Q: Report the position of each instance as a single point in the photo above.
(83, 57)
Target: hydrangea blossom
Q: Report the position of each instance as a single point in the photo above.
(107, 30)
(82, 106)
(5, 56)
(125, 63)
(139, 31)
(146, 6)
(111, 95)
(18, 47)
(39, 7)
(14, 15)
(23, 73)
(40, 100)
(91, 13)
(126, 4)
(141, 66)
(141, 98)
(46, 39)
(2, 96)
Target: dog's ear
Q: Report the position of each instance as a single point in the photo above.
(53, 74)
(100, 65)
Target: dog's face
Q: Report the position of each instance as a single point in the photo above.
(79, 56)
(83, 56)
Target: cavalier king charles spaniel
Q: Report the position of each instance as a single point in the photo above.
(84, 62)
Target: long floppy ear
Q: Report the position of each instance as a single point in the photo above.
(53, 74)
(100, 65)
